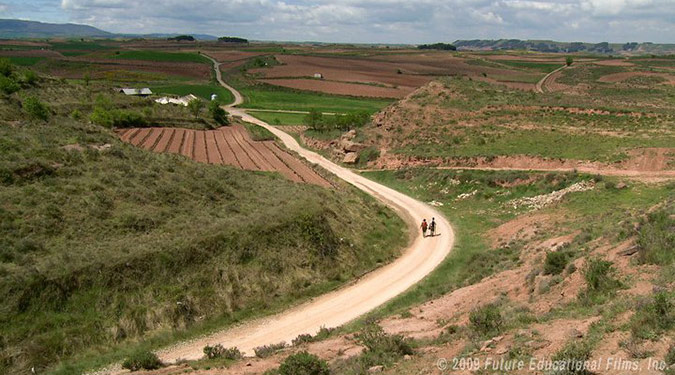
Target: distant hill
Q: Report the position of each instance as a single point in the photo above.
(33, 29)
(565, 47)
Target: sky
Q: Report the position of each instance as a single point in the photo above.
(368, 21)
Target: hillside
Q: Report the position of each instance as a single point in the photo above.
(630, 48)
(106, 247)
(594, 116)
(10, 28)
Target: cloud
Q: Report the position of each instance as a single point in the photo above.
(393, 21)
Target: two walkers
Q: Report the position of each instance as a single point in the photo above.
(431, 226)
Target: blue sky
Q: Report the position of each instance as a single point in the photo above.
(363, 21)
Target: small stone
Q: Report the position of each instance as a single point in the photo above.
(621, 185)
(407, 357)
(375, 369)
(574, 334)
(350, 158)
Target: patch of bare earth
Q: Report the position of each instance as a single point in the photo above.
(620, 77)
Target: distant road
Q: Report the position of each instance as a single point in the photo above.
(539, 87)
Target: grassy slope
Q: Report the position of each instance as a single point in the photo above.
(177, 57)
(475, 119)
(100, 249)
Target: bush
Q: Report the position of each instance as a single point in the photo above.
(268, 350)
(219, 351)
(670, 356)
(368, 154)
(142, 359)
(656, 239)
(29, 77)
(599, 278)
(653, 318)
(574, 354)
(303, 363)
(381, 348)
(35, 108)
(195, 106)
(556, 261)
(569, 60)
(8, 86)
(219, 115)
(301, 339)
(487, 320)
(6, 67)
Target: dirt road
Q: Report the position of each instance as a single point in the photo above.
(421, 257)
(541, 85)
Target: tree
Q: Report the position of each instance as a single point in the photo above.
(195, 106)
(314, 119)
(218, 113)
(569, 60)
(86, 79)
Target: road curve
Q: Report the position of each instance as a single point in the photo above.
(341, 306)
(539, 87)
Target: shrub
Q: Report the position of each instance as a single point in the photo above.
(6, 67)
(654, 317)
(219, 115)
(368, 154)
(303, 363)
(656, 239)
(555, 263)
(125, 119)
(268, 350)
(35, 108)
(599, 278)
(569, 60)
(573, 355)
(670, 356)
(301, 339)
(101, 116)
(8, 86)
(29, 77)
(219, 351)
(487, 320)
(381, 348)
(142, 359)
(195, 106)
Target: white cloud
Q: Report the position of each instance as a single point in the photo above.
(397, 21)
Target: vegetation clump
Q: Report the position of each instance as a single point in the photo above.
(487, 320)
(654, 317)
(218, 113)
(142, 360)
(572, 358)
(439, 46)
(600, 281)
(219, 351)
(656, 238)
(268, 350)
(36, 109)
(303, 363)
(382, 348)
(555, 262)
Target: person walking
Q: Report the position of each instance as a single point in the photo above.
(424, 227)
(432, 226)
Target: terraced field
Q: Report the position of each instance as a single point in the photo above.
(227, 145)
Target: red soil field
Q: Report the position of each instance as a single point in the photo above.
(619, 77)
(400, 74)
(230, 145)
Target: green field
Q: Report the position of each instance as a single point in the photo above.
(280, 118)
(25, 61)
(202, 91)
(258, 97)
(178, 57)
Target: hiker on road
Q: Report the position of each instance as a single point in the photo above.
(432, 226)
(424, 227)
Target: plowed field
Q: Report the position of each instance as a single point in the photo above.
(230, 145)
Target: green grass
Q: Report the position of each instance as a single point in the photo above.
(280, 118)
(105, 254)
(267, 97)
(25, 61)
(178, 57)
(550, 144)
(202, 91)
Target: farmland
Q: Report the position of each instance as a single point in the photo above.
(227, 145)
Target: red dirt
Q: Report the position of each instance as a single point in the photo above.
(343, 74)
(341, 88)
(613, 63)
(32, 53)
(228, 145)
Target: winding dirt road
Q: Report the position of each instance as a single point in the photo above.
(336, 308)
(541, 85)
